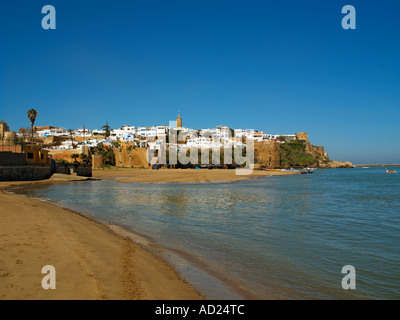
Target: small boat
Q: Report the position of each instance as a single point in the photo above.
(307, 171)
(390, 171)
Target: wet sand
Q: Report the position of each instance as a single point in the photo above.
(181, 175)
(91, 261)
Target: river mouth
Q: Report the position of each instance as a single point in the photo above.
(267, 238)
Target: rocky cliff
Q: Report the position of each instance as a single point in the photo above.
(336, 164)
(295, 153)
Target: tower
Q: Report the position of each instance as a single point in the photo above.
(4, 129)
(302, 136)
(179, 121)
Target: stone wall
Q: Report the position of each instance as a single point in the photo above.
(64, 169)
(12, 159)
(302, 136)
(131, 157)
(24, 173)
(53, 139)
(317, 152)
(66, 154)
(83, 171)
(9, 138)
(267, 154)
(79, 170)
(97, 161)
(12, 148)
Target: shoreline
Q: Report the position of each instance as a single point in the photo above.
(134, 280)
(92, 259)
(378, 165)
(207, 282)
(139, 175)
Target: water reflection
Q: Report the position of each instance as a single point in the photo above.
(275, 237)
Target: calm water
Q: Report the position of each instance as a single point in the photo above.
(275, 237)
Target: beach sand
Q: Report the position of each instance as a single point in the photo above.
(91, 262)
(181, 175)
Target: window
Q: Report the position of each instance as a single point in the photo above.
(30, 155)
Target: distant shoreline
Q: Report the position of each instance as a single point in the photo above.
(378, 165)
(181, 175)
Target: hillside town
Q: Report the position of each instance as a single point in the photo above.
(153, 137)
(130, 146)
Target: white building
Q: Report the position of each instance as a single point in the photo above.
(52, 132)
(162, 131)
(147, 132)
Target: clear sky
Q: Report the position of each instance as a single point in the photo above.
(274, 66)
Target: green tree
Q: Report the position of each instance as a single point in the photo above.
(106, 152)
(107, 130)
(32, 114)
(84, 157)
(75, 156)
(108, 156)
(71, 135)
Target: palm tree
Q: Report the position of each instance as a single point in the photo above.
(32, 114)
(75, 156)
(84, 157)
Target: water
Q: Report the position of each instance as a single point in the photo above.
(276, 237)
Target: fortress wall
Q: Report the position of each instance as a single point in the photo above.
(24, 173)
(131, 157)
(267, 154)
(66, 154)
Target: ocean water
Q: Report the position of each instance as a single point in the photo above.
(281, 237)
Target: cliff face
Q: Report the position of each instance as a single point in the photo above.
(296, 153)
(316, 151)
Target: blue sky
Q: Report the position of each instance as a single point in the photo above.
(275, 66)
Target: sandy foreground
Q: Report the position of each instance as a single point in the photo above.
(91, 262)
(181, 175)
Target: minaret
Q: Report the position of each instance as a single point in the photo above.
(179, 121)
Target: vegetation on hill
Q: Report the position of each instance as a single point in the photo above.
(106, 152)
(107, 130)
(294, 154)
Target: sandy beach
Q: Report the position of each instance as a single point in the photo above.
(181, 175)
(91, 262)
